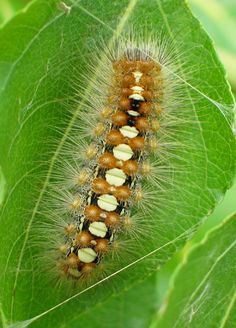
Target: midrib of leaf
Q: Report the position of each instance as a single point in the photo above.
(118, 30)
(228, 310)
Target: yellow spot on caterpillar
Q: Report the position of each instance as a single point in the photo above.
(158, 109)
(137, 75)
(111, 99)
(138, 194)
(76, 204)
(91, 152)
(123, 152)
(129, 131)
(87, 255)
(99, 130)
(127, 222)
(136, 96)
(63, 248)
(115, 177)
(107, 202)
(98, 229)
(146, 168)
(70, 229)
(82, 177)
(137, 88)
(155, 125)
(153, 144)
(133, 113)
(74, 272)
(106, 112)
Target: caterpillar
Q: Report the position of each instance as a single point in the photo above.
(116, 152)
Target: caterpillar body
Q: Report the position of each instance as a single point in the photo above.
(117, 151)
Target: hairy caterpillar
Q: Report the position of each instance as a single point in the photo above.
(121, 142)
(114, 177)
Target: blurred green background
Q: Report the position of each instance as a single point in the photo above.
(218, 18)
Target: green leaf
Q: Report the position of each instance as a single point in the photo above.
(41, 56)
(202, 292)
